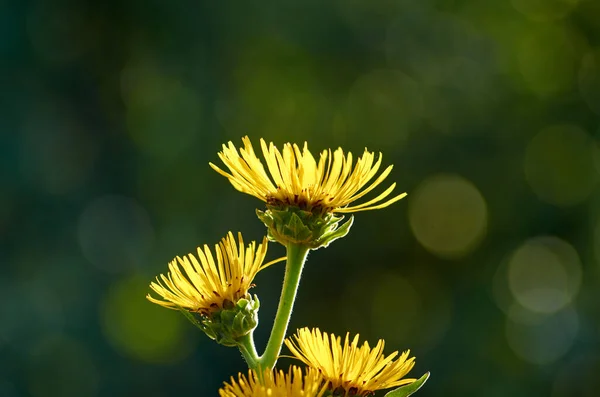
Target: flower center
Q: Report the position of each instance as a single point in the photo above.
(299, 201)
(346, 391)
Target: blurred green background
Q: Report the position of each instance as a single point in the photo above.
(110, 112)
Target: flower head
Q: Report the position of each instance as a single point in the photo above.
(296, 179)
(279, 384)
(205, 285)
(350, 370)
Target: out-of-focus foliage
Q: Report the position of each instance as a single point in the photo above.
(490, 111)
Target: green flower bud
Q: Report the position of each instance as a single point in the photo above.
(227, 325)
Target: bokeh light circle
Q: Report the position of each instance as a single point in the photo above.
(143, 330)
(544, 274)
(559, 165)
(62, 367)
(448, 215)
(541, 339)
(115, 233)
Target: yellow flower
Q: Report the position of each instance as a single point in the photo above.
(296, 179)
(206, 286)
(279, 384)
(350, 370)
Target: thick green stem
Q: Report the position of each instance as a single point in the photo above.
(246, 346)
(296, 255)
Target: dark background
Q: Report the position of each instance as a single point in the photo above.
(489, 110)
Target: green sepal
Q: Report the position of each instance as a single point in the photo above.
(192, 319)
(294, 225)
(407, 390)
(266, 217)
(296, 229)
(334, 234)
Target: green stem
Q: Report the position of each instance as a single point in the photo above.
(296, 255)
(246, 346)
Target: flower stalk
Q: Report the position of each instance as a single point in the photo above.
(296, 256)
(248, 350)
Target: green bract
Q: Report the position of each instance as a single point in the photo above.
(292, 225)
(228, 325)
(407, 390)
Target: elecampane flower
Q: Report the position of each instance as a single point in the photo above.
(295, 178)
(201, 284)
(279, 384)
(350, 369)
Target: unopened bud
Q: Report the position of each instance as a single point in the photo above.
(226, 326)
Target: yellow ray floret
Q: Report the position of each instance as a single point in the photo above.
(201, 284)
(350, 369)
(295, 178)
(280, 384)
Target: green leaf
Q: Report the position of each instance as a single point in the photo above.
(407, 390)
